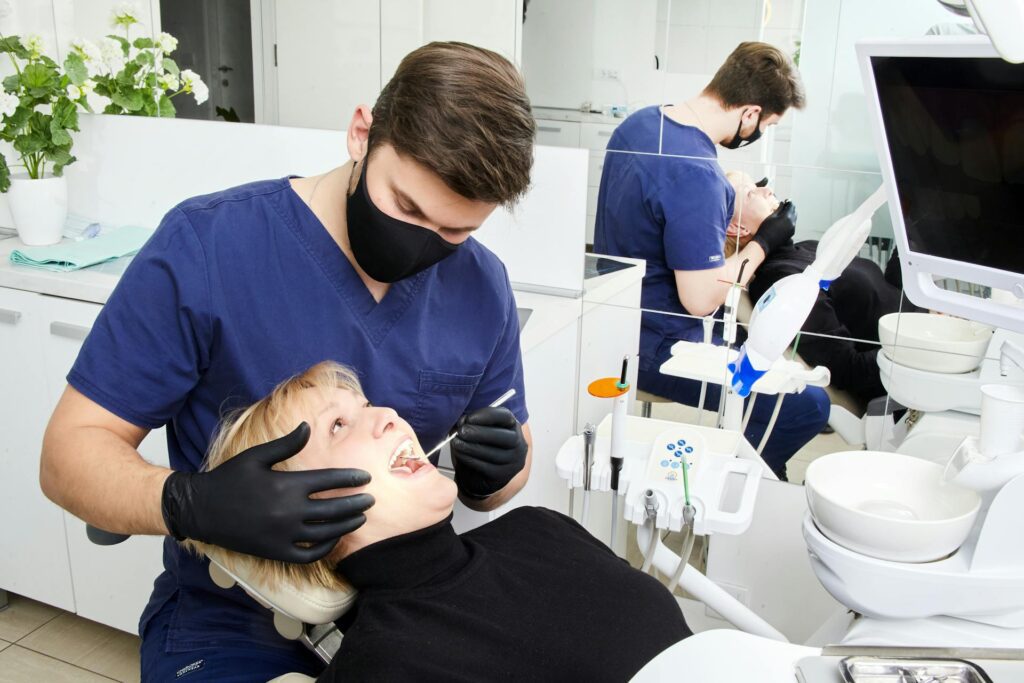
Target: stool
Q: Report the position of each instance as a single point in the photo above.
(646, 399)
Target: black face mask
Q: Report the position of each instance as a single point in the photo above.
(386, 248)
(739, 141)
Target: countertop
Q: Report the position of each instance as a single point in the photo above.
(553, 114)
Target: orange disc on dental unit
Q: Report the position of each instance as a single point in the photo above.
(607, 387)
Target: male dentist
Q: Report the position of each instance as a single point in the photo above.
(371, 264)
(665, 199)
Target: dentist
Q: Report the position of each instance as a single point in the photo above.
(371, 265)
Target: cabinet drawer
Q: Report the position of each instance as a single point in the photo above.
(596, 135)
(558, 133)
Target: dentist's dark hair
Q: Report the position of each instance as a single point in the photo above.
(761, 74)
(461, 111)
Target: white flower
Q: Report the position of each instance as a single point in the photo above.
(167, 81)
(112, 54)
(88, 86)
(35, 45)
(125, 14)
(8, 104)
(74, 92)
(167, 43)
(91, 56)
(192, 83)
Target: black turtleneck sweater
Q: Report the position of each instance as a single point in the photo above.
(531, 596)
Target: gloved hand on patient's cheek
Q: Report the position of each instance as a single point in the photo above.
(245, 506)
(488, 452)
(777, 230)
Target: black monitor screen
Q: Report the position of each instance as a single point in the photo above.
(956, 136)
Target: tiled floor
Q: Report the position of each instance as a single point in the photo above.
(43, 643)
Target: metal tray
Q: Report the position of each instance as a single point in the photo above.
(904, 670)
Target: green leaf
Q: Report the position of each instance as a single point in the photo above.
(170, 66)
(60, 158)
(29, 144)
(38, 79)
(144, 58)
(125, 45)
(58, 135)
(74, 67)
(5, 175)
(129, 101)
(12, 83)
(13, 45)
(143, 43)
(18, 120)
(166, 108)
(65, 114)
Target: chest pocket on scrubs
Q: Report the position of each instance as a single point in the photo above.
(442, 399)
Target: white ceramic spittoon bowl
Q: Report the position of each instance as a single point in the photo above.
(889, 506)
(937, 343)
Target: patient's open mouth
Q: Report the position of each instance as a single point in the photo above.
(405, 460)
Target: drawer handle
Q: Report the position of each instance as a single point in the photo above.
(549, 129)
(10, 317)
(69, 331)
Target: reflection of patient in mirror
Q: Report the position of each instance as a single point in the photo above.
(531, 595)
(849, 310)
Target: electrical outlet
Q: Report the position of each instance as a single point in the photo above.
(741, 593)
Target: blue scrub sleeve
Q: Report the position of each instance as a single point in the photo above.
(696, 210)
(152, 339)
(505, 369)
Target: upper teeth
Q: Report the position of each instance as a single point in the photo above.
(405, 452)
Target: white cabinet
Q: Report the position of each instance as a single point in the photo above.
(328, 60)
(558, 133)
(111, 583)
(33, 551)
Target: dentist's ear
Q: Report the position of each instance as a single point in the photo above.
(358, 136)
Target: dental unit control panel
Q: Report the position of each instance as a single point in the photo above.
(674, 462)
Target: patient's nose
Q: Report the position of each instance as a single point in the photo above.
(384, 421)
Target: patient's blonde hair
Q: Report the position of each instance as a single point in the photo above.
(734, 244)
(270, 418)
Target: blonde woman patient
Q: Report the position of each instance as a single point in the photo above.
(529, 596)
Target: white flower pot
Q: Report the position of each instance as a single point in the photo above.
(39, 208)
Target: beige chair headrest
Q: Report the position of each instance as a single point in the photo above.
(306, 603)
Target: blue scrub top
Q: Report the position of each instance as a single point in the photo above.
(239, 290)
(668, 210)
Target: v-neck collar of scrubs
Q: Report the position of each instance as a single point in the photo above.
(376, 318)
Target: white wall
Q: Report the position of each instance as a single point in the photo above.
(836, 166)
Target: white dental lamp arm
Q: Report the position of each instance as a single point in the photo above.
(781, 311)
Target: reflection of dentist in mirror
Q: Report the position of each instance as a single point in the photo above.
(372, 265)
(669, 203)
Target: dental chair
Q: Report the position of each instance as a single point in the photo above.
(301, 612)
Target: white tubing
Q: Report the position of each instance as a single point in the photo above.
(586, 508)
(684, 558)
(771, 425)
(705, 590)
(649, 555)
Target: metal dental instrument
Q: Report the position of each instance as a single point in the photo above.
(589, 431)
(499, 401)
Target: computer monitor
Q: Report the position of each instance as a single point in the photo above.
(948, 119)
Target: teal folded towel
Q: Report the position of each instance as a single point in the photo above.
(68, 256)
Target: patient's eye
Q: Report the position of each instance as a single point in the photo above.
(338, 424)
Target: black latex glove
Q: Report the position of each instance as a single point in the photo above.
(777, 230)
(245, 506)
(489, 450)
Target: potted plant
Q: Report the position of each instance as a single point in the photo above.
(36, 119)
(135, 77)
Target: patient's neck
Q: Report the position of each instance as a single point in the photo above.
(428, 555)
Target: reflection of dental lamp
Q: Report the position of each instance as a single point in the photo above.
(1001, 20)
(781, 311)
